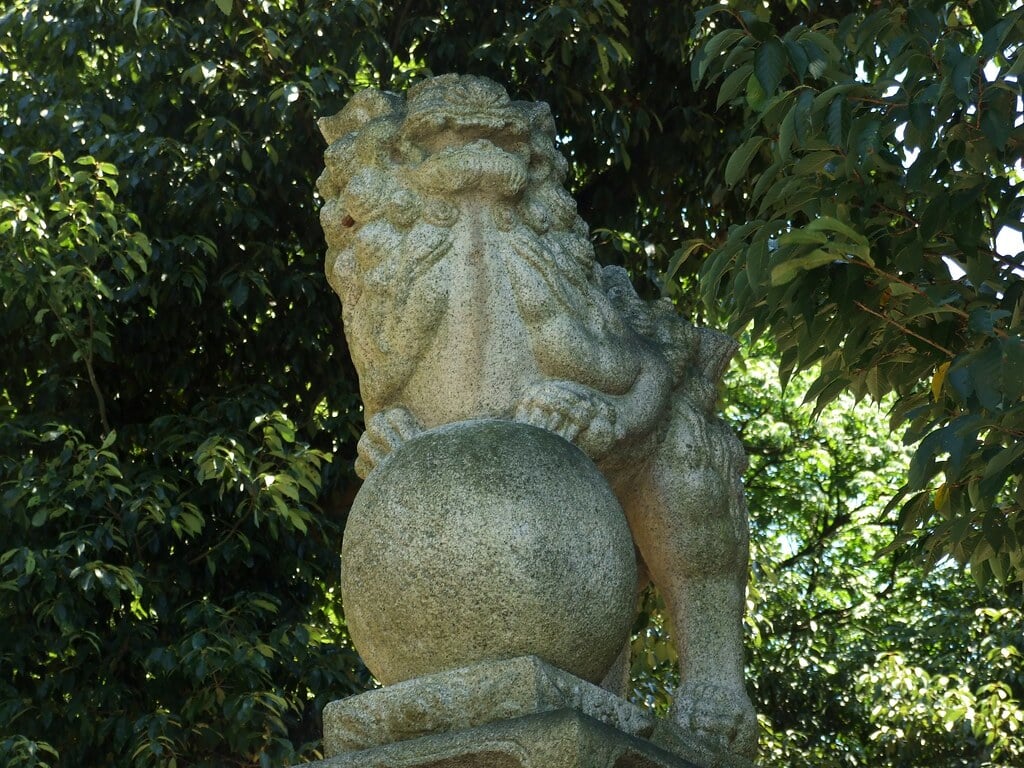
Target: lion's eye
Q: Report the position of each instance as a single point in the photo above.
(348, 221)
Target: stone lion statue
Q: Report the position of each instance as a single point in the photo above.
(469, 289)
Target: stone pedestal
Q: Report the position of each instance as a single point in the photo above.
(531, 423)
(515, 713)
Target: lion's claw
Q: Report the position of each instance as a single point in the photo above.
(721, 715)
(576, 413)
(385, 432)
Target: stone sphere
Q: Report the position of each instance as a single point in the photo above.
(487, 540)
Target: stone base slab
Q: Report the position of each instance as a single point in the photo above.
(557, 739)
(513, 713)
(468, 697)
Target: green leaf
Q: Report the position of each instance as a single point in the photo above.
(722, 40)
(922, 465)
(797, 57)
(755, 94)
(770, 64)
(758, 256)
(714, 46)
(765, 180)
(996, 127)
(838, 121)
(802, 114)
(854, 241)
(682, 254)
(866, 143)
(824, 43)
(965, 73)
(1000, 463)
(935, 214)
(786, 271)
(985, 370)
(805, 236)
(225, 6)
(1012, 367)
(787, 131)
(733, 84)
(739, 161)
(703, 14)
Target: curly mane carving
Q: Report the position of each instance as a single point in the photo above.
(470, 290)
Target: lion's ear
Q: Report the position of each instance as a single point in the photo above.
(716, 350)
(540, 118)
(362, 108)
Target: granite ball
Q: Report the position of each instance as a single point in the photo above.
(485, 540)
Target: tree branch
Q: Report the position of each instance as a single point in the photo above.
(87, 357)
(906, 330)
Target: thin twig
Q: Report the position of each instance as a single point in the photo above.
(906, 330)
(906, 283)
(87, 357)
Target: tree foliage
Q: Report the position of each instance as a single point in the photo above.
(856, 657)
(172, 391)
(860, 657)
(880, 161)
(178, 411)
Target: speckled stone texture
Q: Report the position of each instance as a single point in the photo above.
(469, 697)
(487, 540)
(469, 290)
(558, 739)
(517, 713)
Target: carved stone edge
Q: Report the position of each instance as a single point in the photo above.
(562, 738)
(700, 751)
(466, 700)
(470, 697)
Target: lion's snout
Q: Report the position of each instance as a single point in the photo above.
(479, 165)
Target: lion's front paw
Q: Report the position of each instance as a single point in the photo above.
(385, 432)
(577, 413)
(721, 714)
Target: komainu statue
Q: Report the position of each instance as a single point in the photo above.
(469, 290)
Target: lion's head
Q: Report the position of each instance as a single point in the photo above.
(397, 164)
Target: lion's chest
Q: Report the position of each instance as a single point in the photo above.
(479, 360)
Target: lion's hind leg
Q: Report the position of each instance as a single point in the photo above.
(689, 522)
